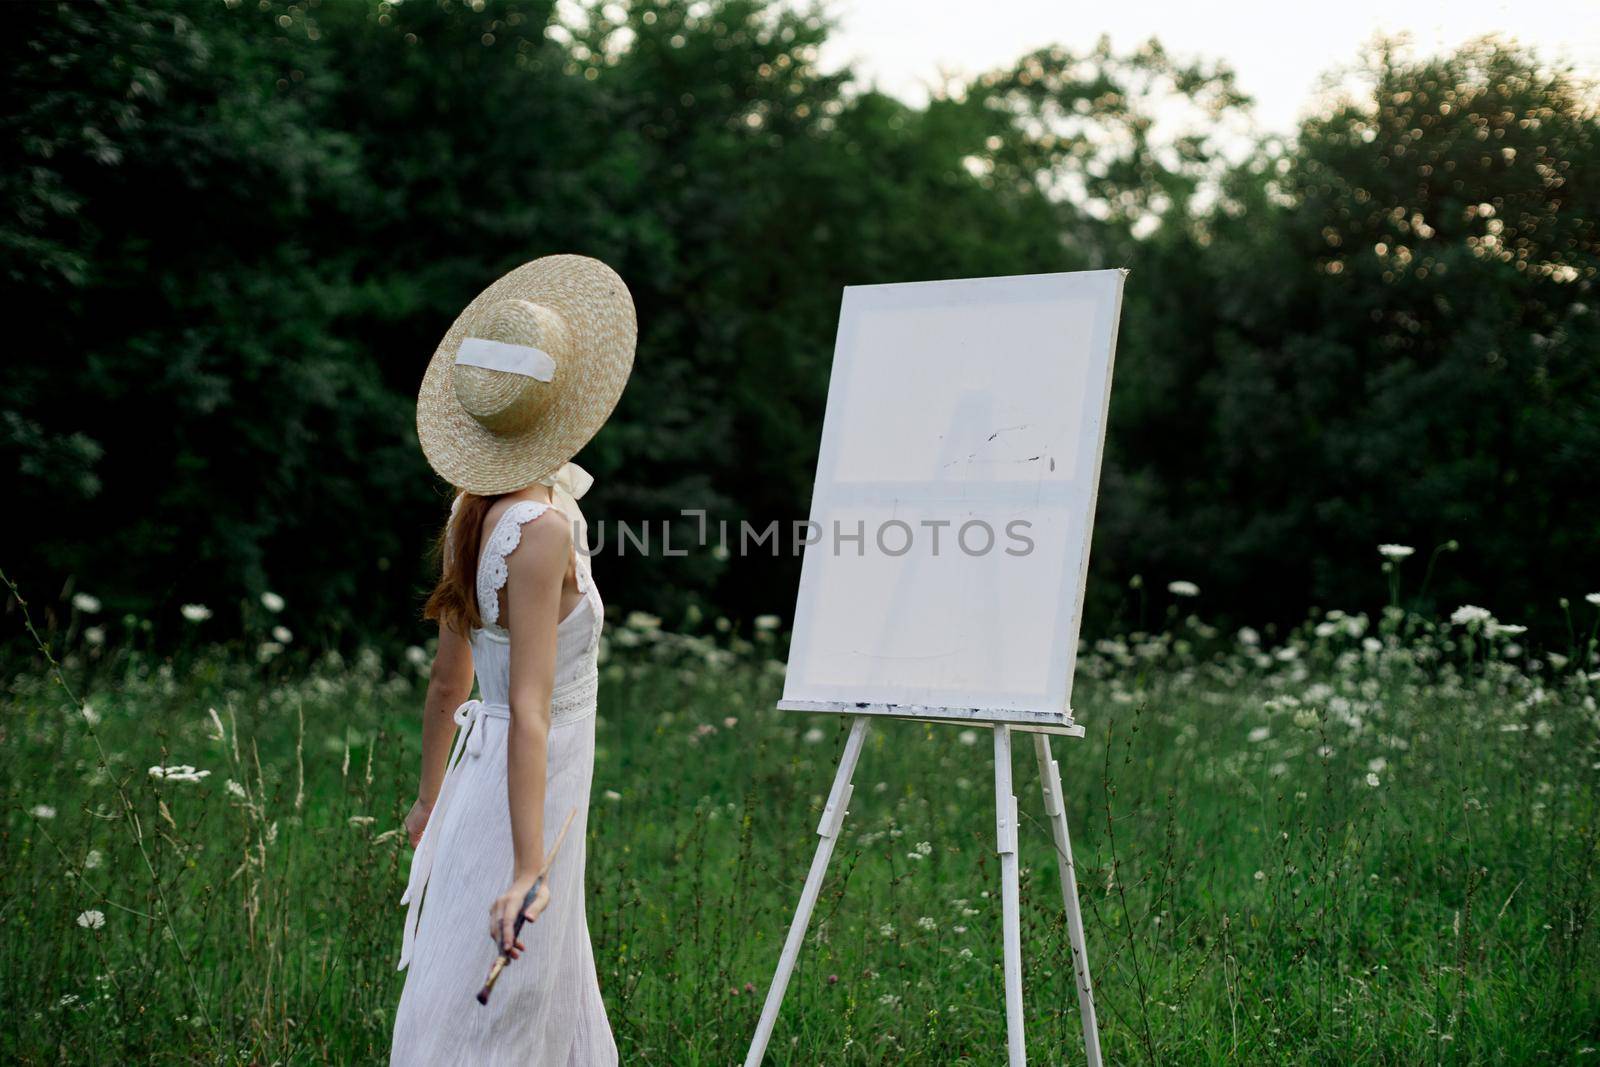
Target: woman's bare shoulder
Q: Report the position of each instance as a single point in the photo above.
(543, 549)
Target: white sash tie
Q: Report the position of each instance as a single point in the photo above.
(470, 717)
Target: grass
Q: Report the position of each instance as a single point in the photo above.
(1370, 842)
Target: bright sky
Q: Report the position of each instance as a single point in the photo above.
(1277, 50)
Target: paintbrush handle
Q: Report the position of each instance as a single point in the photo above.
(522, 913)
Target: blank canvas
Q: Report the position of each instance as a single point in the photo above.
(954, 496)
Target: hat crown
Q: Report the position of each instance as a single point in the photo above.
(505, 401)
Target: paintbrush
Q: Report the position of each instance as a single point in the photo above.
(522, 913)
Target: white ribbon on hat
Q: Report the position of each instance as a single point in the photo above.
(525, 360)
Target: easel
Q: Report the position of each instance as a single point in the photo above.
(970, 402)
(1006, 844)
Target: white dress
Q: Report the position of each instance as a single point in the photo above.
(546, 1009)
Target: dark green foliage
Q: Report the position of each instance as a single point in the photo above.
(233, 234)
(1404, 350)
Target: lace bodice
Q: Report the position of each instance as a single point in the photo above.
(577, 635)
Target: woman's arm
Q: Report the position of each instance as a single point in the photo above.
(535, 571)
(449, 683)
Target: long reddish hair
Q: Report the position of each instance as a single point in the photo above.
(454, 600)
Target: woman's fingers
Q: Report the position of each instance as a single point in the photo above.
(540, 902)
(503, 918)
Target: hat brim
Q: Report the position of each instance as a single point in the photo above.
(584, 389)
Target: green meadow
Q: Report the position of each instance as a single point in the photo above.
(1367, 840)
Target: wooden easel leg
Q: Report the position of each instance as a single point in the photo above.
(828, 830)
(1055, 810)
(1006, 844)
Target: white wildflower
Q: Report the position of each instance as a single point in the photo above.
(1306, 718)
(968, 737)
(1260, 733)
(266, 650)
(180, 772)
(282, 635)
(272, 602)
(1395, 552)
(93, 919)
(886, 930)
(85, 603)
(93, 859)
(612, 795)
(965, 953)
(766, 623)
(926, 922)
(195, 612)
(1471, 616)
(416, 655)
(43, 811)
(90, 716)
(1249, 636)
(813, 735)
(237, 790)
(1593, 598)
(1494, 629)
(1261, 876)
(1373, 780)
(1182, 588)
(642, 620)
(1377, 765)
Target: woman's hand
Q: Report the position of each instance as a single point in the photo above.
(503, 912)
(417, 820)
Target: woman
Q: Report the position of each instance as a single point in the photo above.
(524, 378)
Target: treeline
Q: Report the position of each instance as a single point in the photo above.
(234, 232)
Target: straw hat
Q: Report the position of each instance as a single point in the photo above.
(527, 374)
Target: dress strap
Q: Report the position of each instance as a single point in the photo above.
(500, 543)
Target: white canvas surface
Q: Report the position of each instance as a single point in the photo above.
(973, 407)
